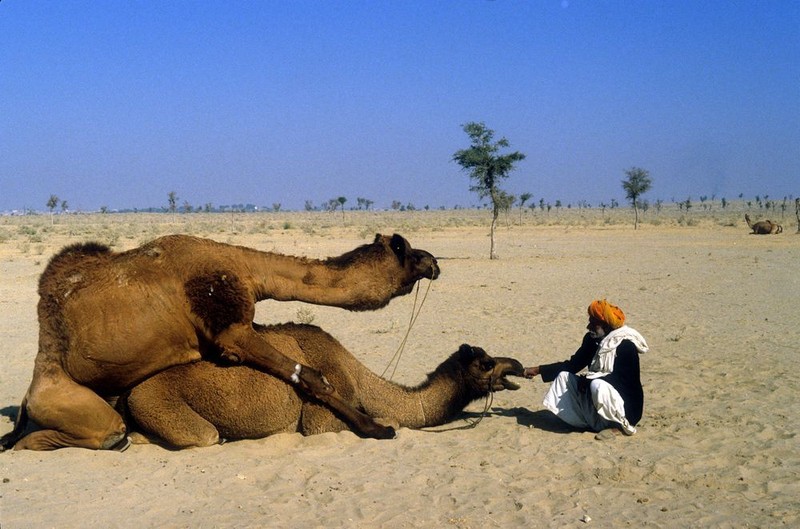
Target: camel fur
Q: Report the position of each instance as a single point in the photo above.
(763, 227)
(109, 320)
(201, 403)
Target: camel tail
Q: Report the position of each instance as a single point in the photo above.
(20, 423)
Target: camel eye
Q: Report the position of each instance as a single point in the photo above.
(488, 365)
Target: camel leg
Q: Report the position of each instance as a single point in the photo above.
(162, 413)
(242, 343)
(69, 415)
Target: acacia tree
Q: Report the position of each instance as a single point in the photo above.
(173, 203)
(637, 183)
(486, 167)
(524, 197)
(505, 202)
(52, 202)
(341, 201)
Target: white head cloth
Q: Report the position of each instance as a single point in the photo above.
(603, 361)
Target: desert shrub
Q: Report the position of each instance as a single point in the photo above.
(27, 230)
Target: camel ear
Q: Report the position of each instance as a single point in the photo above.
(466, 352)
(399, 246)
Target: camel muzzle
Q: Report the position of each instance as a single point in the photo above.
(434, 271)
(506, 367)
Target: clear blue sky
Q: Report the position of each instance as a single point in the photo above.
(117, 103)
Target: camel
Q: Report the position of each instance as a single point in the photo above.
(202, 403)
(763, 227)
(109, 320)
(797, 212)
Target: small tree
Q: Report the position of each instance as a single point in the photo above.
(505, 201)
(486, 167)
(52, 202)
(341, 201)
(637, 183)
(172, 197)
(524, 197)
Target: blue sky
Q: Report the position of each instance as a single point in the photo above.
(118, 103)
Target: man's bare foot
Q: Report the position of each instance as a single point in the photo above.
(608, 434)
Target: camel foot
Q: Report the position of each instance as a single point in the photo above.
(115, 441)
(388, 422)
(8, 441)
(380, 432)
(121, 445)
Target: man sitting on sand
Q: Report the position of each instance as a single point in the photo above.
(608, 398)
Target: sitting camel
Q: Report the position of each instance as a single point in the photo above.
(201, 403)
(763, 227)
(108, 321)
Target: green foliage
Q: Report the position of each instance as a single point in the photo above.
(487, 167)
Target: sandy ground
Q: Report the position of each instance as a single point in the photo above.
(717, 447)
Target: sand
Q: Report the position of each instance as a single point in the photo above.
(717, 447)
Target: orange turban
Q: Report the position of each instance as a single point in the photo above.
(607, 313)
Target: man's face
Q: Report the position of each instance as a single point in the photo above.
(596, 328)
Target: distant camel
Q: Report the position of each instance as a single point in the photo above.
(797, 212)
(763, 227)
(108, 321)
(201, 403)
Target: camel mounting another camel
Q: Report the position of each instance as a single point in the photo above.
(201, 403)
(108, 321)
(763, 227)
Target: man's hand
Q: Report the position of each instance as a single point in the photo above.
(531, 372)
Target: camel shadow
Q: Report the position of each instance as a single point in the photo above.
(10, 412)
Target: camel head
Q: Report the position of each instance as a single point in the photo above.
(389, 268)
(484, 373)
(417, 263)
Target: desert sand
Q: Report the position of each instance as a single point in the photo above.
(717, 447)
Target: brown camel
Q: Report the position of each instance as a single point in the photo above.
(797, 212)
(201, 403)
(763, 227)
(109, 320)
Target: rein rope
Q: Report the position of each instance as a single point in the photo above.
(415, 311)
(414, 315)
(469, 423)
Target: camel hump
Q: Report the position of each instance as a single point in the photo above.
(70, 256)
(83, 248)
